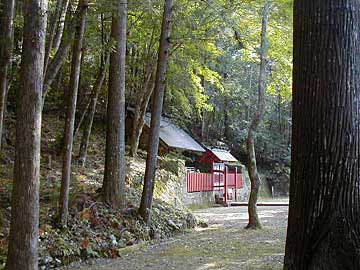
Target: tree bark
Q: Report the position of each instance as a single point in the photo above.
(52, 27)
(71, 109)
(6, 43)
(90, 117)
(84, 112)
(151, 160)
(61, 54)
(324, 215)
(84, 109)
(115, 164)
(60, 26)
(139, 114)
(143, 96)
(203, 126)
(279, 115)
(203, 118)
(226, 133)
(24, 231)
(254, 222)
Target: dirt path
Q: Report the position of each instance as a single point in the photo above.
(224, 245)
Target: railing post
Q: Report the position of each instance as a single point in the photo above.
(235, 184)
(212, 175)
(225, 184)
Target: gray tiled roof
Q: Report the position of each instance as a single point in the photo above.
(223, 155)
(176, 137)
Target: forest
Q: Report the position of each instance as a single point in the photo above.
(118, 118)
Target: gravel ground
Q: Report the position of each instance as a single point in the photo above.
(224, 245)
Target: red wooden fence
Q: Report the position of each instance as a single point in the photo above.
(198, 182)
(231, 180)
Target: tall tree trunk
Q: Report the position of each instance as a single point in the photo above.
(226, 118)
(203, 126)
(279, 114)
(6, 43)
(84, 112)
(248, 109)
(55, 65)
(151, 160)
(254, 221)
(90, 117)
(24, 231)
(115, 164)
(143, 96)
(324, 216)
(71, 109)
(139, 114)
(203, 117)
(60, 27)
(52, 27)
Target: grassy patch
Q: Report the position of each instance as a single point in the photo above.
(194, 207)
(231, 249)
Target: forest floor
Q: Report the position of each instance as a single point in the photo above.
(94, 230)
(224, 244)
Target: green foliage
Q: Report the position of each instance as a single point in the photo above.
(211, 88)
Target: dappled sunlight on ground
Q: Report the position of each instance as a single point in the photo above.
(210, 228)
(227, 217)
(266, 215)
(206, 266)
(223, 245)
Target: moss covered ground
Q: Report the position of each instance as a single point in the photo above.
(94, 230)
(224, 245)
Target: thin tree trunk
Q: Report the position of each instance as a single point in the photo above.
(143, 97)
(151, 160)
(248, 110)
(61, 54)
(115, 164)
(71, 108)
(84, 112)
(279, 114)
(226, 119)
(324, 215)
(203, 117)
(254, 221)
(60, 28)
(203, 126)
(7, 8)
(52, 27)
(90, 118)
(139, 115)
(24, 227)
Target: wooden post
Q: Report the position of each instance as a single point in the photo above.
(212, 175)
(235, 184)
(225, 183)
